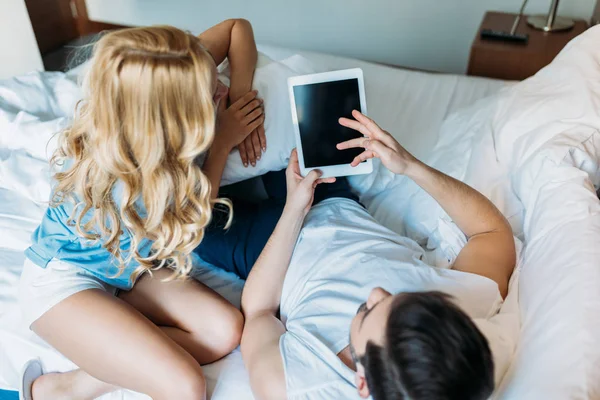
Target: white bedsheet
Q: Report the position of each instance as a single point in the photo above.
(412, 105)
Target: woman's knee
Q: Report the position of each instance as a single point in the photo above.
(185, 382)
(231, 325)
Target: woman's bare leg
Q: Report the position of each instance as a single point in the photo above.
(192, 315)
(114, 343)
(201, 321)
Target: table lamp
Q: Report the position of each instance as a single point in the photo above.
(551, 22)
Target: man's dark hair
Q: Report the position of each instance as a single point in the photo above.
(432, 351)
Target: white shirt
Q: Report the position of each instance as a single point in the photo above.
(341, 255)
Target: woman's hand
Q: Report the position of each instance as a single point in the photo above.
(377, 143)
(253, 146)
(235, 123)
(301, 190)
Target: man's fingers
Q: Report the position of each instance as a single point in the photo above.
(373, 148)
(378, 148)
(293, 161)
(366, 143)
(376, 130)
(325, 180)
(312, 177)
(243, 153)
(357, 126)
(256, 144)
(365, 155)
(366, 121)
(245, 99)
(352, 143)
(372, 130)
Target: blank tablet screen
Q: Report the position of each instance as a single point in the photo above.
(319, 106)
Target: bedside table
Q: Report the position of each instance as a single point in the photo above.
(515, 61)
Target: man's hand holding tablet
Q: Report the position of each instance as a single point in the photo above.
(317, 103)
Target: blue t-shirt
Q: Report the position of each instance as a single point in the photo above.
(56, 239)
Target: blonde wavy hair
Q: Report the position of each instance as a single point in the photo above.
(146, 115)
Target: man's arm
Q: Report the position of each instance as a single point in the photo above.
(490, 250)
(262, 292)
(260, 302)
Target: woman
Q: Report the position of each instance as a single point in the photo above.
(129, 205)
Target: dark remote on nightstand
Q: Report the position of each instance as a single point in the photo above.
(489, 34)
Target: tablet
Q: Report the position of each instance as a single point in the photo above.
(318, 101)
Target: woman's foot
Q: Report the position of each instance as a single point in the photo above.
(72, 385)
(53, 386)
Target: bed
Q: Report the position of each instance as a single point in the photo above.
(542, 181)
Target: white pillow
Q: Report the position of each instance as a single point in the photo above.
(485, 144)
(270, 79)
(33, 108)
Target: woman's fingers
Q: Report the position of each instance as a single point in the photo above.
(252, 105)
(243, 153)
(256, 144)
(256, 123)
(250, 151)
(245, 99)
(252, 116)
(262, 136)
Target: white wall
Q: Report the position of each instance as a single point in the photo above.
(19, 51)
(427, 34)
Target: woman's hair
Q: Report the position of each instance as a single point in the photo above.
(146, 115)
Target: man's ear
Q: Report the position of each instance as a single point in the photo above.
(361, 382)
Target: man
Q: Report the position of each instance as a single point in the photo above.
(415, 337)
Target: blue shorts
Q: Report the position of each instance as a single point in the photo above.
(236, 249)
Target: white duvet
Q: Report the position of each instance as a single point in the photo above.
(533, 149)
